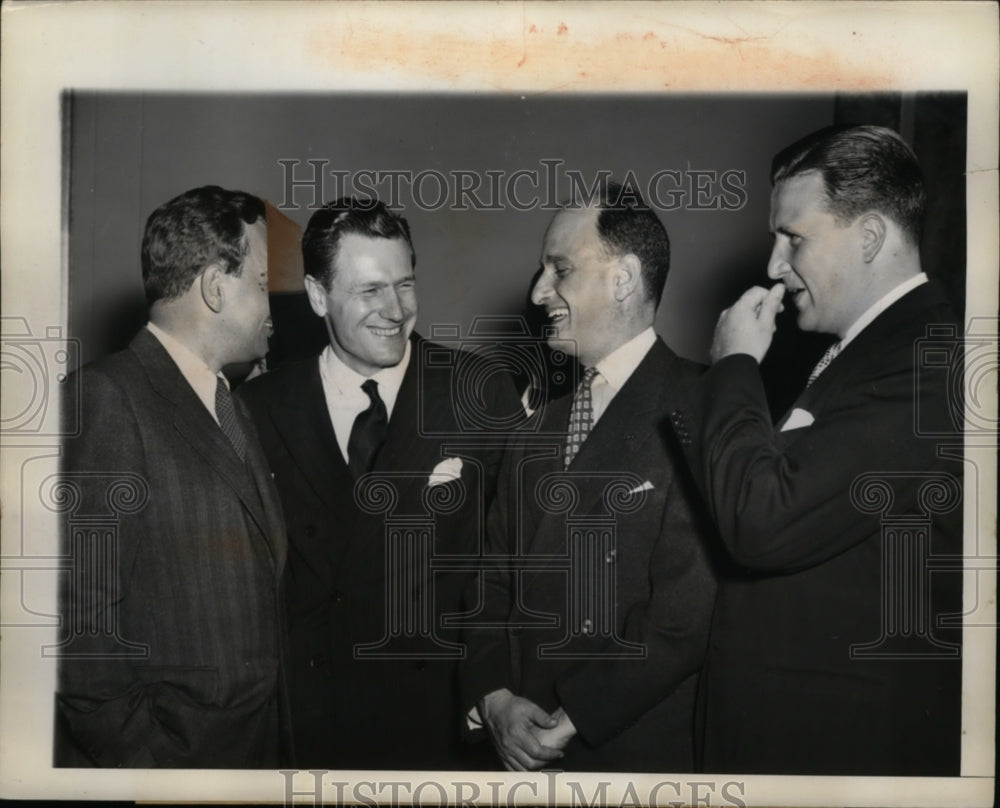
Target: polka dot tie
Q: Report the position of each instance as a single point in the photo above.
(824, 360)
(581, 417)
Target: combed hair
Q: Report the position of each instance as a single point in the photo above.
(626, 224)
(349, 214)
(203, 226)
(864, 168)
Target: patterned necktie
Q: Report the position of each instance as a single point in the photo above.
(824, 360)
(368, 432)
(581, 416)
(225, 411)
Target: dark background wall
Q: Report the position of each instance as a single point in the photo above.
(131, 152)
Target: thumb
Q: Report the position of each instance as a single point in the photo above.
(752, 298)
(771, 304)
(540, 717)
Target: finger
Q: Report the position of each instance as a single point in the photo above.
(771, 304)
(538, 716)
(751, 298)
(537, 751)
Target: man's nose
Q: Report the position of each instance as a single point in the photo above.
(542, 289)
(777, 265)
(392, 306)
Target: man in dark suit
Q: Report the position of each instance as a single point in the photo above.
(600, 584)
(826, 654)
(175, 627)
(382, 474)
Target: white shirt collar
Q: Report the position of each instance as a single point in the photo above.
(346, 380)
(344, 397)
(192, 368)
(881, 305)
(616, 368)
(620, 364)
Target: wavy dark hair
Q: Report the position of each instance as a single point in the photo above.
(200, 227)
(864, 168)
(349, 214)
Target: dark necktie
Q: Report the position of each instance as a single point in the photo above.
(581, 417)
(225, 411)
(368, 432)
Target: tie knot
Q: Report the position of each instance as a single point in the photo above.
(588, 377)
(370, 386)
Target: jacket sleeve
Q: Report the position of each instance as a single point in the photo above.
(489, 593)
(775, 495)
(103, 703)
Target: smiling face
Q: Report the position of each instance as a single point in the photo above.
(576, 287)
(371, 306)
(246, 310)
(817, 257)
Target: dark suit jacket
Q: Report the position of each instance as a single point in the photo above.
(196, 580)
(632, 713)
(784, 691)
(398, 710)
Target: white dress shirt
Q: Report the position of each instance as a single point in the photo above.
(192, 368)
(881, 305)
(345, 399)
(616, 368)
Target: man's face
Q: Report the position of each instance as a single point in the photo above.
(576, 286)
(371, 306)
(247, 309)
(818, 258)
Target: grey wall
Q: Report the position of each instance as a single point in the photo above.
(131, 152)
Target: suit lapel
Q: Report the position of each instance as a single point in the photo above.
(403, 447)
(263, 480)
(196, 426)
(302, 418)
(626, 430)
(868, 348)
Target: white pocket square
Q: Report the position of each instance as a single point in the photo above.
(447, 470)
(646, 486)
(798, 419)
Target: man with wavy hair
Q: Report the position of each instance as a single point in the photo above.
(173, 658)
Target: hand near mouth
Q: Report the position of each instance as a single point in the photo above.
(748, 325)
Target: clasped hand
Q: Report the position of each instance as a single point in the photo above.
(525, 737)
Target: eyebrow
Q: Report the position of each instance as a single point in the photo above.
(784, 230)
(383, 284)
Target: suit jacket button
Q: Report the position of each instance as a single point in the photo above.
(337, 596)
(310, 531)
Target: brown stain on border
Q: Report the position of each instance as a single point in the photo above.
(559, 59)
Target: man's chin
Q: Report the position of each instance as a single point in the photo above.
(388, 356)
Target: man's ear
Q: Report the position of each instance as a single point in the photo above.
(628, 276)
(211, 286)
(872, 235)
(317, 295)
